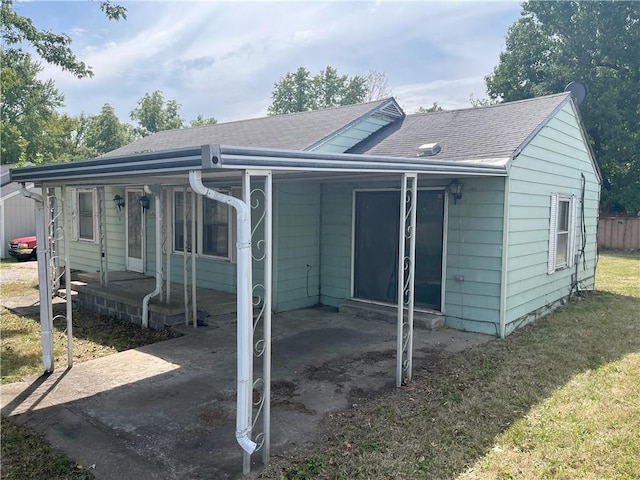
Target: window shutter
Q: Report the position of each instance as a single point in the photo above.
(572, 231)
(553, 234)
(74, 213)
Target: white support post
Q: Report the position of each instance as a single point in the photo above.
(66, 223)
(194, 243)
(44, 280)
(268, 237)
(185, 276)
(405, 277)
(102, 238)
(168, 235)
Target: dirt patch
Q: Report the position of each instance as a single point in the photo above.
(292, 406)
(215, 415)
(326, 372)
(283, 389)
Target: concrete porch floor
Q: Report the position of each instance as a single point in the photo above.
(167, 411)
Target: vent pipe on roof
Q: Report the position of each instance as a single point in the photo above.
(428, 149)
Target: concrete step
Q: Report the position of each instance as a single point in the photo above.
(427, 320)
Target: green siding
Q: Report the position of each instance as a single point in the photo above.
(297, 248)
(551, 163)
(352, 136)
(474, 252)
(85, 254)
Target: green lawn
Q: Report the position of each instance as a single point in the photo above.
(559, 399)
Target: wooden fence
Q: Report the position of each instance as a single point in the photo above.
(619, 233)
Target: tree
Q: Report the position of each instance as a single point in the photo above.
(154, 115)
(104, 132)
(554, 43)
(433, 108)
(53, 48)
(201, 121)
(29, 105)
(299, 91)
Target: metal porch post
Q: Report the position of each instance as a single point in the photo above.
(262, 252)
(405, 277)
(66, 224)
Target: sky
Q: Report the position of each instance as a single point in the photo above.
(222, 59)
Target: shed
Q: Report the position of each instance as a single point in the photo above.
(16, 211)
(482, 219)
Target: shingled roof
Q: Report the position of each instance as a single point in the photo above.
(494, 132)
(296, 131)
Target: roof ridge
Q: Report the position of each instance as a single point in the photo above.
(496, 105)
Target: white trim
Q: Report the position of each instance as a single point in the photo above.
(552, 265)
(94, 214)
(199, 206)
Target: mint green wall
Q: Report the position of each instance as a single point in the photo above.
(551, 163)
(85, 254)
(474, 256)
(296, 276)
(473, 250)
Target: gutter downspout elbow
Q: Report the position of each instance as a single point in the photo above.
(244, 399)
(158, 289)
(31, 194)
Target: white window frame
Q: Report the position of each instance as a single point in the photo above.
(76, 214)
(553, 264)
(200, 228)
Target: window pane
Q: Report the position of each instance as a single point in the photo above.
(563, 216)
(85, 215)
(215, 231)
(85, 227)
(561, 252)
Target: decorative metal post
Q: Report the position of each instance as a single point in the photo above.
(406, 273)
(260, 200)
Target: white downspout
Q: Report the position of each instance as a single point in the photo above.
(158, 289)
(46, 321)
(244, 307)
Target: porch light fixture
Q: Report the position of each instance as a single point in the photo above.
(455, 189)
(144, 203)
(118, 201)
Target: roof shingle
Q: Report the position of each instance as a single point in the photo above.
(295, 131)
(493, 132)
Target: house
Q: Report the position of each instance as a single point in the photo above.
(484, 218)
(16, 211)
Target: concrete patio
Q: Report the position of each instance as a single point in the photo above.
(167, 411)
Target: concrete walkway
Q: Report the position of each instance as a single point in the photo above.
(167, 411)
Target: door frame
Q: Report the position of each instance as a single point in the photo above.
(445, 231)
(128, 264)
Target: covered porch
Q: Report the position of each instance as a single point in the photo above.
(255, 270)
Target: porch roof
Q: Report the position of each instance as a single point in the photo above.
(224, 160)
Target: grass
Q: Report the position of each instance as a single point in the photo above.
(94, 336)
(25, 453)
(559, 399)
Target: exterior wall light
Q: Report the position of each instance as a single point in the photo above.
(144, 203)
(118, 201)
(455, 188)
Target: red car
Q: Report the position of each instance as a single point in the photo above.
(23, 248)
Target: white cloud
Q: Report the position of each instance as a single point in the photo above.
(221, 59)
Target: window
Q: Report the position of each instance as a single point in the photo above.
(213, 226)
(561, 232)
(85, 226)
